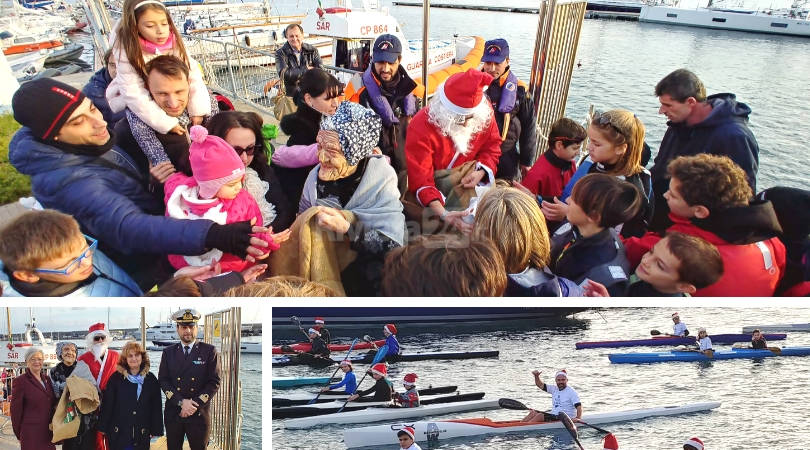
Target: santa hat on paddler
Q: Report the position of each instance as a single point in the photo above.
(97, 329)
(694, 442)
(410, 379)
(380, 369)
(319, 321)
(610, 442)
(409, 431)
(390, 328)
(462, 92)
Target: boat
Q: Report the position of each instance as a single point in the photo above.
(250, 347)
(66, 54)
(379, 414)
(793, 22)
(164, 334)
(288, 382)
(13, 354)
(24, 65)
(292, 360)
(329, 396)
(306, 346)
(438, 431)
(675, 340)
(735, 353)
(613, 9)
(789, 327)
(320, 409)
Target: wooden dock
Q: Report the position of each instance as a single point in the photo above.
(594, 10)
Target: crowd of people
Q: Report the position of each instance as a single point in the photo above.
(105, 399)
(151, 185)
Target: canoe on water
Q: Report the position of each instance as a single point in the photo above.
(289, 382)
(306, 346)
(438, 431)
(330, 396)
(735, 353)
(305, 358)
(675, 340)
(784, 327)
(382, 414)
(319, 409)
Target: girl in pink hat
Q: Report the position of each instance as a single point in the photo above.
(215, 192)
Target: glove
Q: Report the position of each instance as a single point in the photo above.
(233, 238)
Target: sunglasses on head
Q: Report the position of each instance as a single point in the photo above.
(249, 149)
(604, 121)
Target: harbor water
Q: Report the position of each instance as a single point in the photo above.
(763, 400)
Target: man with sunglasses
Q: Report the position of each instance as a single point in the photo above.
(101, 362)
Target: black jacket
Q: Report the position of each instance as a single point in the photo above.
(291, 68)
(302, 127)
(128, 419)
(522, 132)
(195, 378)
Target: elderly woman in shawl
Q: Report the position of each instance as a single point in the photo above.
(350, 178)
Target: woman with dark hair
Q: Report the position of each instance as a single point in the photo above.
(320, 94)
(131, 412)
(243, 131)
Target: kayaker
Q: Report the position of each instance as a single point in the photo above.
(319, 325)
(406, 439)
(758, 340)
(349, 380)
(409, 398)
(390, 332)
(679, 328)
(563, 399)
(383, 389)
(704, 342)
(693, 444)
(318, 345)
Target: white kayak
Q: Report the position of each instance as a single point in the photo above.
(382, 414)
(441, 430)
(782, 328)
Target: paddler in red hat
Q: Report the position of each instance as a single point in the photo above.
(320, 326)
(407, 436)
(318, 346)
(383, 388)
(693, 444)
(391, 342)
(409, 398)
(563, 399)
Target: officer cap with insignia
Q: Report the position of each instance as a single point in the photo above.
(186, 316)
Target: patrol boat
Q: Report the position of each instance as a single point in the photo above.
(14, 352)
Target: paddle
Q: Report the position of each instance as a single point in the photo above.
(377, 358)
(333, 373)
(298, 322)
(572, 429)
(508, 403)
(775, 350)
(601, 430)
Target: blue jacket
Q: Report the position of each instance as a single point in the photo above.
(109, 204)
(349, 380)
(393, 345)
(111, 281)
(96, 91)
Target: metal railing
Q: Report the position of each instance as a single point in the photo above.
(223, 331)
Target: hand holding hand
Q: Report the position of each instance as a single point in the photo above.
(162, 171)
(187, 407)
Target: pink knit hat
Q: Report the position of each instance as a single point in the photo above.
(214, 162)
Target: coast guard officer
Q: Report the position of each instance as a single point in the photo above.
(189, 377)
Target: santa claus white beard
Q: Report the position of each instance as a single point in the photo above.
(454, 126)
(99, 350)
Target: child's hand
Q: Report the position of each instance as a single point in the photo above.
(594, 289)
(251, 273)
(197, 120)
(554, 211)
(178, 129)
(282, 236)
(199, 273)
(162, 171)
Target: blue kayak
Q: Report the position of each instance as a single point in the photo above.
(285, 382)
(736, 353)
(675, 340)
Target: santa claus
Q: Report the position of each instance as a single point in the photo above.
(456, 127)
(102, 364)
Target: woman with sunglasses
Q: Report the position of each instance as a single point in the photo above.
(243, 131)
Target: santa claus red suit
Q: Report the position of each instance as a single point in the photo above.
(457, 126)
(101, 369)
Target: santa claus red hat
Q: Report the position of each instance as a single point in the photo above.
(610, 442)
(389, 327)
(694, 442)
(380, 369)
(96, 329)
(410, 379)
(674, 315)
(562, 373)
(462, 92)
(319, 320)
(409, 431)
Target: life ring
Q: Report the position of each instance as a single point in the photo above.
(471, 60)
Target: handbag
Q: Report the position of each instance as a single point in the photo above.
(283, 104)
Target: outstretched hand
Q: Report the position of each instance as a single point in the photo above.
(456, 219)
(554, 211)
(595, 289)
(162, 171)
(199, 273)
(251, 273)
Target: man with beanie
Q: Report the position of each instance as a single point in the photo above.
(386, 88)
(456, 127)
(513, 112)
(67, 150)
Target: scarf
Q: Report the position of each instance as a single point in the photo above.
(137, 379)
(508, 99)
(157, 49)
(45, 288)
(380, 104)
(84, 149)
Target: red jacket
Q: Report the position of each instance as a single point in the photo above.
(750, 270)
(546, 179)
(427, 150)
(110, 361)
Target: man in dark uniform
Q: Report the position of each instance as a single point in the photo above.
(189, 377)
(513, 113)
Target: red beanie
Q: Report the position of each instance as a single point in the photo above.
(409, 431)
(411, 378)
(694, 442)
(462, 92)
(214, 162)
(319, 320)
(380, 369)
(610, 442)
(391, 328)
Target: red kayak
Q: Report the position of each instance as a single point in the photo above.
(306, 346)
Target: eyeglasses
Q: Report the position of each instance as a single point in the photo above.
(98, 338)
(604, 121)
(249, 149)
(71, 267)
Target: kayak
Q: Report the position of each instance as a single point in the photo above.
(365, 358)
(777, 327)
(735, 353)
(381, 414)
(438, 431)
(676, 340)
(287, 382)
(306, 346)
(319, 409)
(330, 396)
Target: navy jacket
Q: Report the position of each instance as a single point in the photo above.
(128, 419)
(96, 91)
(111, 205)
(724, 132)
